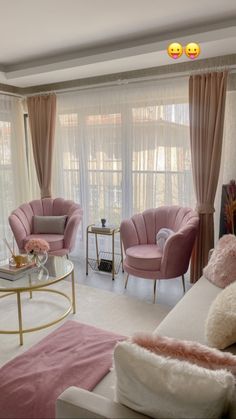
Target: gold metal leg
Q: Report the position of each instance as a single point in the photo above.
(183, 282)
(73, 291)
(155, 286)
(19, 317)
(96, 240)
(30, 282)
(121, 254)
(113, 256)
(126, 281)
(87, 251)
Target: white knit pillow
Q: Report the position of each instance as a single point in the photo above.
(163, 387)
(162, 235)
(220, 327)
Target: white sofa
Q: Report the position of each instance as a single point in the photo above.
(185, 321)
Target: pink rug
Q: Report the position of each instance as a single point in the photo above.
(75, 354)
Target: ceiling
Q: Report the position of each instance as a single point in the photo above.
(50, 41)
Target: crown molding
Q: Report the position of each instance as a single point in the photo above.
(185, 68)
(226, 61)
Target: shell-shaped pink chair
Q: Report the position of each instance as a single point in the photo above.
(21, 222)
(144, 258)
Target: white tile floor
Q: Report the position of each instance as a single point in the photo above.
(169, 292)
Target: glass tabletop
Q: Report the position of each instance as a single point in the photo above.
(55, 269)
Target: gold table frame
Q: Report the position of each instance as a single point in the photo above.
(111, 233)
(40, 288)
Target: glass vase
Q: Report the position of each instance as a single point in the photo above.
(40, 258)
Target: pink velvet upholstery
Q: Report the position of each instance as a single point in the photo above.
(21, 222)
(143, 257)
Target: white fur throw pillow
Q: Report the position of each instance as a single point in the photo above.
(162, 235)
(221, 268)
(163, 387)
(220, 327)
(186, 350)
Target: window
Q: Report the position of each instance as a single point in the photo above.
(124, 150)
(14, 186)
(161, 164)
(6, 170)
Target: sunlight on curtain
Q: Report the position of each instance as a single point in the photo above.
(161, 164)
(123, 149)
(34, 188)
(14, 185)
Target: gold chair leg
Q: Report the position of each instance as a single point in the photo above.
(126, 281)
(73, 291)
(19, 317)
(155, 286)
(183, 282)
(30, 282)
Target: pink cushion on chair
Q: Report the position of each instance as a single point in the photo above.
(49, 224)
(144, 256)
(56, 241)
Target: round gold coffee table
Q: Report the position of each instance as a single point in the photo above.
(38, 280)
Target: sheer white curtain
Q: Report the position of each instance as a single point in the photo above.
(14, 182)
(123, 149)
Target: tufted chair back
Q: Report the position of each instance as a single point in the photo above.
(141, 229)
(21, 220)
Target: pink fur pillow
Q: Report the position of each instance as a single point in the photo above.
(221, 268)
(184, 350)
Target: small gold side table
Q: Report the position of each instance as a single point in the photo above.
(116, 258)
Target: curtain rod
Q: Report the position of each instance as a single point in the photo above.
(120, 82)
(2, 92)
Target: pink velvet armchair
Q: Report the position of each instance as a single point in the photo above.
(21, 222)
(144, 258)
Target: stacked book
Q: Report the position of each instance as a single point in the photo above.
(97, 228)
(13, 273)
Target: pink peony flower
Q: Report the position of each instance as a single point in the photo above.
(37, 246)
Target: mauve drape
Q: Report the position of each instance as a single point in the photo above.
(42, 118)
(206, 106)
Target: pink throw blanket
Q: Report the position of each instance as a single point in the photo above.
(75, 354)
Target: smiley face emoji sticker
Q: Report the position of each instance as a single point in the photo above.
(192, 50)
(175, 50)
